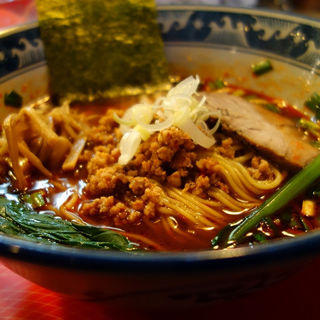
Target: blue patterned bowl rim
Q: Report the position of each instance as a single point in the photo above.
(273, 253)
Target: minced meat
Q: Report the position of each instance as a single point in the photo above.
(260, 169)
(128, 194)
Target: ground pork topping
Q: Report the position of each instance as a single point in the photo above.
(125, 208)
(102, 156)
(106, 181)
(260, 169)
(109, 208)
(163, 154)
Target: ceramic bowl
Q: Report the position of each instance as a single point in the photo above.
(209, 41)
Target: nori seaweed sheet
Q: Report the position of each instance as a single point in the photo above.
(98, 49)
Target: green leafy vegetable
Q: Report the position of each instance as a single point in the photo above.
(261, 67)
(17, 219)
(13, 99)
(313, 103)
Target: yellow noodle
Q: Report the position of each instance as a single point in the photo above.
(235, 186)
(235, 176)
(167, 228)
(182, 210)
(238, 176)
(240, 173)
(230, 202)
(244, 158)
(195, 206)
(195, 198)
(246, 178)
(178, 231)
(165, 210)
(66, 214)
(263, 184)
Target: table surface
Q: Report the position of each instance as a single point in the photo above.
(294, 298)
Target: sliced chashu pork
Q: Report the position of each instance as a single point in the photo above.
(268, 131)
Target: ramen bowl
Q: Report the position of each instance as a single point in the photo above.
(209, 41)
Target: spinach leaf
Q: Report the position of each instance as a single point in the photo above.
(20, 220)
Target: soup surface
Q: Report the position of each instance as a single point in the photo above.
(168, 191)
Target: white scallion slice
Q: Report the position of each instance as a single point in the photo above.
(128, 146)
(196, 134)
(178, 108)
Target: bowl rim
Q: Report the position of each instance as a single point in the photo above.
(206, 260)
(271, 13)
(272, 253)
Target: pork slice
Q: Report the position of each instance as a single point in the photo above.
(268, 131)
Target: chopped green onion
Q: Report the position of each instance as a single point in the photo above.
(307, 124)
(260, 237)
(286, 216)
(312, 127)
(279, 199)
(13, 99)
(35, 199)
(313, 103)
(217, 84)
(271, 225)
(304, 223)
(261, 67)
(251, 97)
(315, 144)
(294, 222)
(272, 107)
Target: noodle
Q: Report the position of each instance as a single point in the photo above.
(195, 205)
(244, 158)
(253, 185)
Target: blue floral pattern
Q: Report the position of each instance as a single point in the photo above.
(246, 29)
(20, 50)
(268, 32)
